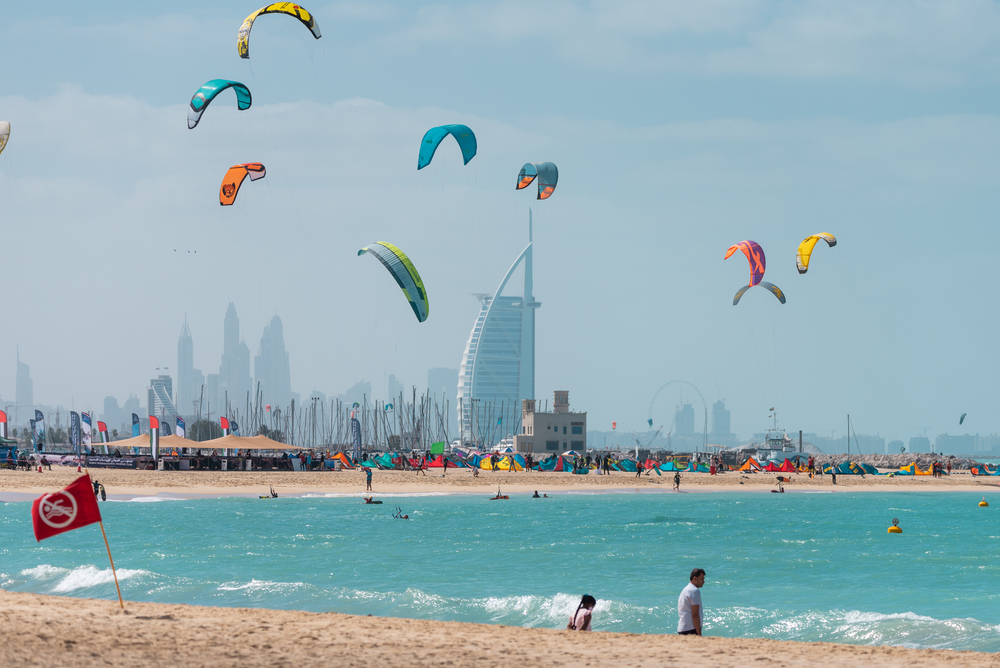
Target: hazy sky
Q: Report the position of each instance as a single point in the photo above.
(679, 128)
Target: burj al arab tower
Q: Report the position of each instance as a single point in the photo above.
(498, 366)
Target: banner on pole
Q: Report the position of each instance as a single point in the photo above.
(74, 432)
(85, 431)
(154, 437)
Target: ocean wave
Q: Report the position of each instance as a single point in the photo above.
(359, 495)
(856, 627)
(262, 586)
(65, 580)
(143, 499)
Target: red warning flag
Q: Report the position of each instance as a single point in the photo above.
(72, 508)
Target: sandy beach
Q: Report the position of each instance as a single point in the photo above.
(42, 631)
(16, 485)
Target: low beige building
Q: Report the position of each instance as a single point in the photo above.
(551, 433)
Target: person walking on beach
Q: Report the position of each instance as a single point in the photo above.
(639, 468)
(689, 609)
(677, 481)
(581, 619)
(444, 463)
(368, 478)
(949, 467)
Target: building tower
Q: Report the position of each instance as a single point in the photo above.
(498, 365)
(234, 371)
(270, 366)
(189, 379)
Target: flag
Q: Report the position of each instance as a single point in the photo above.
(103, 431)
(3, 425)
(73, 507)
(39, 432)
(135, 425)
(154, 437)
(224, 422)
(356, 438)
(74, 432)
(86, 431)
(437, 448)
(180, 427)
(234, 428)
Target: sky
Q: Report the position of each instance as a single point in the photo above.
(679, 129)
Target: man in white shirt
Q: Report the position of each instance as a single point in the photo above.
(689, 605)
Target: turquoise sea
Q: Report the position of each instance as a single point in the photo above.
(797, 566)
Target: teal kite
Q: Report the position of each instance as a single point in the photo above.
(207, 93)
(463, 135)
(405, 274)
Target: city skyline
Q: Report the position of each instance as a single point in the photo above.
(676, 136)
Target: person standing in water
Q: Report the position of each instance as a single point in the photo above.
(584, 615)
(689, 609)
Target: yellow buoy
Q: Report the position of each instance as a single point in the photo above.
(983, 504)
(895, 526)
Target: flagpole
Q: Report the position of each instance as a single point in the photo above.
(115, 574)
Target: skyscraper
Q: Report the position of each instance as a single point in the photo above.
(189, 379)
(720, 420)
(270, 366)
(499, 361)
(684, 420)
(160, 397)
(24, 391)
(234, 370)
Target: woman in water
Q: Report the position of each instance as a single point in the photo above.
(581, 619)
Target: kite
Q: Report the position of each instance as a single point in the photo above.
(289, 8)
(463, 135)
(755, 256)
(207, 93)
(962, 419)
(234, 178)
(806, 248)
(770, 287)
(405, 274)
(4, 134)
(548, 177)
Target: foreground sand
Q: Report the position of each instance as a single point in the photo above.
(15, 484)
(41, 631)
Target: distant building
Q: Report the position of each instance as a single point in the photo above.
(555, 432)
(955, 445)
(359, 392)
(24, 392)
(271, 368)
(988, 444)
(393, 388)
(720, 421)
(895, 447)
(189, 379)
(919, 444)
(232, 383)
(160, 400)
(684, 420)
(112, 415)
(498, 365)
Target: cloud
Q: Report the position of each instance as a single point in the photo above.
(910, 43)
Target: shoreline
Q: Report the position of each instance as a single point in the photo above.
(42, 631)
(128, 484)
